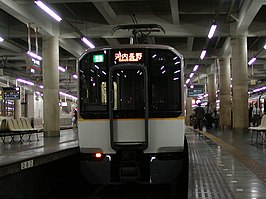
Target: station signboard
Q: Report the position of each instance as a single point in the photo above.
(11, 93)
(33, 66)
(196, 90)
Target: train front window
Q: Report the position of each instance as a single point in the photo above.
(93, 92)
(165, 83)
(128, 93)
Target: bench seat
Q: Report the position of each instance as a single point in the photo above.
(21, 127)
(260, 130)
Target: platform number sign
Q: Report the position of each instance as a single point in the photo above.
(26, 164)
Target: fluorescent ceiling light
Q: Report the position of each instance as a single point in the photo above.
(34, 55)
(203, 53)
(61, 69)
(87, 42)
(75, 76)
(259, 89)
(67, 95)
(212, 30)
(264, 46)
(252, 60)
(25, 81)
(191, 75)
(41, 86)
(195, 68)
(1, 39)
(48, 10)
(187, 81)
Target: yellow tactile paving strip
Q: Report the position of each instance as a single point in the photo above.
(254, 166)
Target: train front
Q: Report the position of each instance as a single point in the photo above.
(131, 123)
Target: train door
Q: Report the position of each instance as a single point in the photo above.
(128, 106)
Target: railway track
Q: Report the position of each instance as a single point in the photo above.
(132, 191)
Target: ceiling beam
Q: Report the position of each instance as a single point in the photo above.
(247, 14)
(190, 42)
(107, 12)
(226, 49)
(112, 42)
(217, 42)
(175, 11)
(109, 15)
(11, 47)
(72, 46)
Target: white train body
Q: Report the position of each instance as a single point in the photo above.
(131, 122)
(166, 135)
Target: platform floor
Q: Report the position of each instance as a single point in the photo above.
(17, 151)
(225, 165)
(222, 164)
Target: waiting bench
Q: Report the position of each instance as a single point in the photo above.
(21, 127)
(260, 130)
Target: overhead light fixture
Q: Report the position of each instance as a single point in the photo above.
(25, 81)
(34, 55)
(87, 42)
(259, 89)
(41, 86)
(67, 95)
(48, 10)
(61, 69)
(191, 75)
(75, 76)
(264, 46)
(1, 39)
(187, 81)
(195, 68)
(212, 30)
(203, 53)
(252, 60)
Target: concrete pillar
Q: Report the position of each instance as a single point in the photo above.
(240, 83)
(225, 93)
(30, 99)
(17, 109)
(211, 84)
(50, 52)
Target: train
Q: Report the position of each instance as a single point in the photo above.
(131, 126)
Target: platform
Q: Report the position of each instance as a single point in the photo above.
(225, 165)
(17, 156)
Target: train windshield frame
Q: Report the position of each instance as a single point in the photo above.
(164, 83)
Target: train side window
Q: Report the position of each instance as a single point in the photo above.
(93, 78)
(165, 82)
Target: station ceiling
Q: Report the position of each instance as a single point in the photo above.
(186, 24)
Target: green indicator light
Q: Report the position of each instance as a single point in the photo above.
(98, 58)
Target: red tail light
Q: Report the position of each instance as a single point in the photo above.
(98, 155)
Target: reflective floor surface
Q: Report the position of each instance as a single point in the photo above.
(218, 165)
